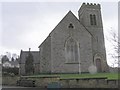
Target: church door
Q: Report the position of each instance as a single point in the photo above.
(98, 65)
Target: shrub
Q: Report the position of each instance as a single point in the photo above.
(9, 71)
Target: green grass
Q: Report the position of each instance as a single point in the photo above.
(98, 75)
(109, 76)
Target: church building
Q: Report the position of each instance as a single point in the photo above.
(73, 46)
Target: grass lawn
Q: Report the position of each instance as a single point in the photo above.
(98, 75)
(110, 76)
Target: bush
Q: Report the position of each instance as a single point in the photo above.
(12, 74)
(10, 71)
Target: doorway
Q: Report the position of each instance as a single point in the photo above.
(98, 65)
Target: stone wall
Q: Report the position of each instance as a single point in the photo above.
(89, 83)
(60, 35)
(98, 45)
(10, 81)
(45, 56)
(43, 82)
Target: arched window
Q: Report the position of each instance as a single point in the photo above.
(71, 51)
(93, 19)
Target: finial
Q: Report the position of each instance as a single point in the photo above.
(29, 49)
(21, 50)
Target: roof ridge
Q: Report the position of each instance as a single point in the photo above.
(30, 51)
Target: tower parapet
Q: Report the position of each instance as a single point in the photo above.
(89, 6)
(90, 14)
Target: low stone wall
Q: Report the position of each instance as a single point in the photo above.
(89, 83)
(43, 82)
(113, 83)
(10, 81)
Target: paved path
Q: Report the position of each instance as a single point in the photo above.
(13, 87)
(20, 88)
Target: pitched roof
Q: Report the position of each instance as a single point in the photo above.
(24, 54)
(7, 62)
(14, 63)
(69, 13)
(44, 41)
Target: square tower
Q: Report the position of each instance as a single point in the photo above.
(90, 17)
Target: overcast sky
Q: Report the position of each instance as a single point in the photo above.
(26, 24)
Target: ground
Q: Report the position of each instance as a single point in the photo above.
(70, 76)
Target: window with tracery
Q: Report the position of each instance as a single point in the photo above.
(71, 51)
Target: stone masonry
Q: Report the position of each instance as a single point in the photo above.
(75, 44)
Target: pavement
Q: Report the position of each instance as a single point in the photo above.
(20, 88)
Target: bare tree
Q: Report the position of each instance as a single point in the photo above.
(113, 39)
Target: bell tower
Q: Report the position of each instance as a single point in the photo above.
(90, 17)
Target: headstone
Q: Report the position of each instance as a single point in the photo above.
(92, 69)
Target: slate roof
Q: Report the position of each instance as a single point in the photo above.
(24, 54)
(15, 63)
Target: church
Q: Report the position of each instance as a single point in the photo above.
(73, 46)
